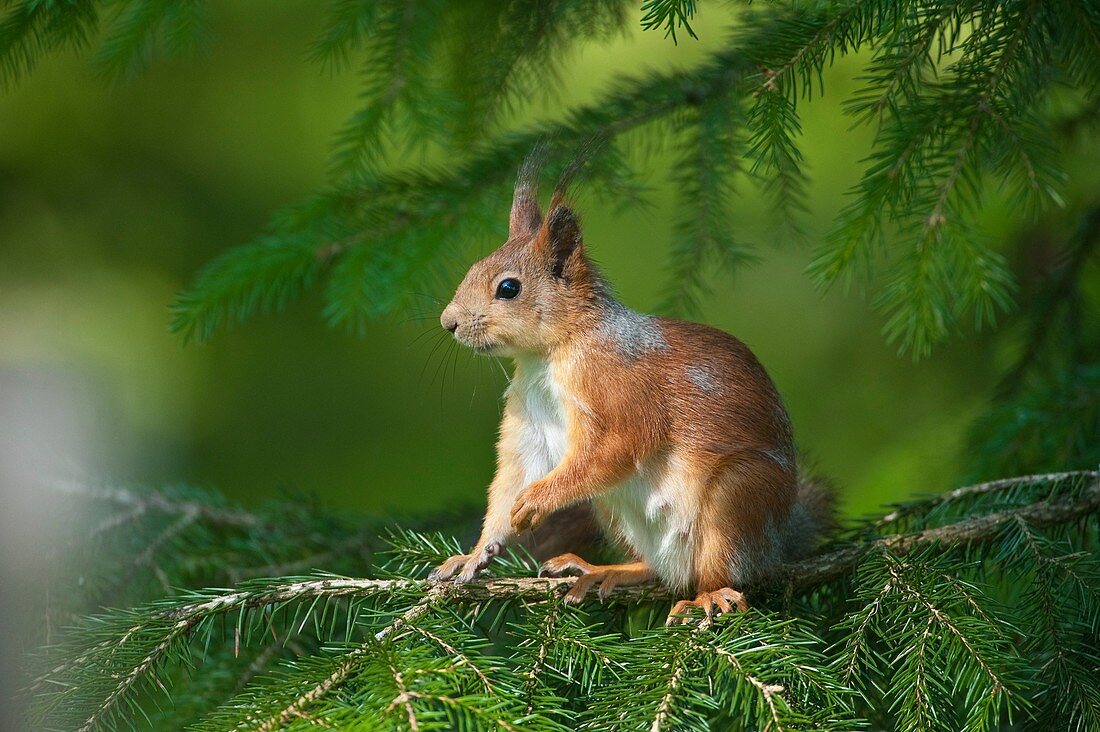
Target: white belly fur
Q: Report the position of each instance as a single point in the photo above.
(648, 511)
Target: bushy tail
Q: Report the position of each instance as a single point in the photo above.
(813, 518)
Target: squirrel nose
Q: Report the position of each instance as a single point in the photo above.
(448, 320)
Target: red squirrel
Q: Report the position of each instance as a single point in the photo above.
(671, 429)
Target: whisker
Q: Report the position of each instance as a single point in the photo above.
(427, 362)
(427, 332)
(439, 367)
(443, 380)
(454, 370)
(426, 296)
(477, 381)
(419, 318)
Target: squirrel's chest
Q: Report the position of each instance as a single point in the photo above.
(541, 399)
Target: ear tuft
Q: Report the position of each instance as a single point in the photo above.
(526, 216)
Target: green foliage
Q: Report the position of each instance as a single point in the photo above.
(30, 30)
(991, 623)
(143, 29)
(224, 295)
(962, 97)
(709, 162)
(402, 98)
(1047, 410)
(923, 634)
(668, 14)
(135, 31)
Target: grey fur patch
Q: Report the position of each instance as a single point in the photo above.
(752, 560)
(780, 458)
(635, 334)
(704, 378)
(812, 516)
(800, 532)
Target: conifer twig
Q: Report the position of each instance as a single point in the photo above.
(974, 529)
(767, 691)
(178, 632)
(990, 486)
(347, 665)
(142, 502)
(665, 707)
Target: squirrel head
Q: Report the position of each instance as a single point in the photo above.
(532, 293)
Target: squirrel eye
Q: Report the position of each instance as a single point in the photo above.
(508, 289)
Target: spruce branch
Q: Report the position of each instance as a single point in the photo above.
(977, 489)
(669, 15)
(413, 648)
(769, 692)
(928, 162)
(369, 232)
(797, 43)
(1062, 288)
(1057, 582)
(802, 575)
(545, 639)
(667, 705)
(710, 161)
(142, 29)
(970, 530)
(958, 94)
(139, 671)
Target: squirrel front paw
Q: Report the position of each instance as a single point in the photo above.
(464, 567)
(532, 506)
(449, 568)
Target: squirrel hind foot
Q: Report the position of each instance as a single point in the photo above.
(607, 576)
(724, 599)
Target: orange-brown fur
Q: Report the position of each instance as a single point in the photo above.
(673, 430)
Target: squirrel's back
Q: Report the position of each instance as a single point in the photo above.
(702, 394)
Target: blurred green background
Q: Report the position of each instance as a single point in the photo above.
(112, 196)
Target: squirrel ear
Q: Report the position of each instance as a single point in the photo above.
(563, 237)
(526, 217)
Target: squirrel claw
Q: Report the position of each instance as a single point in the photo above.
(607, 576)
(449, 568)
(576, 593)
(531, 507)
(725, 598)
(465, 567)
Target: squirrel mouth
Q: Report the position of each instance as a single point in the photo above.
(479, 345)
(485, 349)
